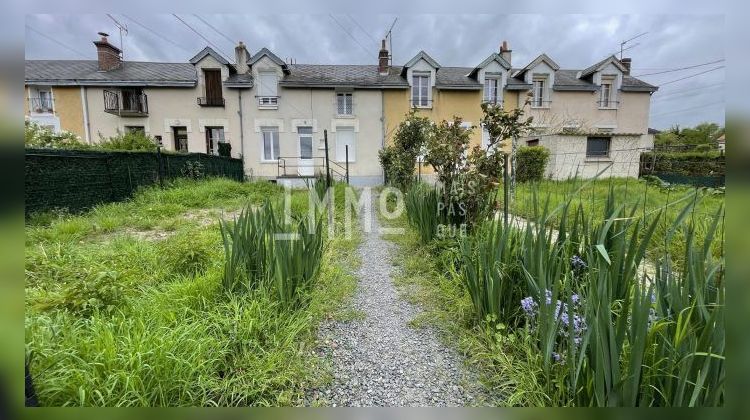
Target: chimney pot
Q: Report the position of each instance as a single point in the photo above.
(240, 58)
(383, 59)
(108, 55)
(505, 52)
(626, 62)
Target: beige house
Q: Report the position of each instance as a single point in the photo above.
(593, 120)
(276, 115)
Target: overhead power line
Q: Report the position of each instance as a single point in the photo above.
(218, 50)
(700, 90)
(687, 109)
(231, 41)
(692, 75)
(158, 34)
(686, 90)
(57, 42)
(350, 35)
(680, 68)
(363, 29)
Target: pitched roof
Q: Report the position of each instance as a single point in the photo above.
(209, 51)
(455, 78)
(493, 57)
(611, 59)
(421, 55)
(86, 72)
(347, 75)
(265, 52)
(631, 84)
(239, 81)
(541, 58)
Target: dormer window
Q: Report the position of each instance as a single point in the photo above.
(492, 90)
(212, 88)
(420, 90)
(607, 98)
(344, 103)
(540, 90)
(268, 90)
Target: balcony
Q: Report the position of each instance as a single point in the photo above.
(209, 101)
(268, 102)
(126, 103)
(41, 105)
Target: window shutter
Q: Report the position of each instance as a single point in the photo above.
(268, 83)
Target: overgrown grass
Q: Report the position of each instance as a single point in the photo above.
(596, 328)
(649, 198)
(113, 319)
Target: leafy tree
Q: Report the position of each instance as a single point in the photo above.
(701, 137)
(399, 159)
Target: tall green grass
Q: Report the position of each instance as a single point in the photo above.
(424, 210)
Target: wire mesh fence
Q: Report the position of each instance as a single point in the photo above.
(77, 180)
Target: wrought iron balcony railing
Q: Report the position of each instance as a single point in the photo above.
(126, 104)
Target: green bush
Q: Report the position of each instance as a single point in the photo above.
(189, 255)
(531, 163)
(400, 158)
(711, 163)
(131, 140)
(101, 291)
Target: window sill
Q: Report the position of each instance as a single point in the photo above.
(268, 107)
(274, 161)
(608, 108)
(598, 159)
(350, 116)
(540, 107)
(421, 107)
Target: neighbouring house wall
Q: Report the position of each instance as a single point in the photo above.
(68, 107)
(581, 108)
(316, 108)
(568, 157)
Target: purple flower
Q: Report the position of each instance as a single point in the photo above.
(577, 264)
(529, 306)
(558, 358)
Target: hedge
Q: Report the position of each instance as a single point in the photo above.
(531, 162)
(79, 179)
(701, 169)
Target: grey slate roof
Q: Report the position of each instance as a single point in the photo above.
(330, 75)
(267, 53)
(85, 72)
(493, 57)
(591, 69)
(239, 81)
(455, 78)
(421, 55)
(631, 84)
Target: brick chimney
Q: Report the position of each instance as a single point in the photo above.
(505, 51)
(383, 59)
(240, 58)
(626, 62)
(108, 55)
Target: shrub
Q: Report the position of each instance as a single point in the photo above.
(531, 163)
(424, 210)
(262, 252)
(40, 137)
(399, 159)
(188, 255)
(225, 149)
(131, 140)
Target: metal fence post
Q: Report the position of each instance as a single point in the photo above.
(346, 149)
(328, 168)
(160, 167)
(505, 190)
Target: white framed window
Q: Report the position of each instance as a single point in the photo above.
(270, 143)
(420, 90)
(268, 96)
(345, 103)
(345, 136)
(598, 147)
(492, 91)
(540, 98)
(607, 93)
(214, 136)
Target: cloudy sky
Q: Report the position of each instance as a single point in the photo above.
(671, 43)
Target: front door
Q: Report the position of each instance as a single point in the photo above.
(180, 139)
(306, 164)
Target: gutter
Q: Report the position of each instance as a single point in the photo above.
(85, 106)
(242, 130)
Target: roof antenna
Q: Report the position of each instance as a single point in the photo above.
(123, 29)
(389, 38)
(622, 44)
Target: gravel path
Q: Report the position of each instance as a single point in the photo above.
(379, 360)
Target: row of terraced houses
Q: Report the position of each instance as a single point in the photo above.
(274, 113)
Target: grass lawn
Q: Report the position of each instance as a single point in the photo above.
(124, 305)
(650, 200)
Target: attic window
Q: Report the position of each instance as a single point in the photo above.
(420, 90)
(607, 94)
(540, 91)
(492, 90)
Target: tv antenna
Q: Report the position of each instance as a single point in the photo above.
(389, 38)
(123, 29)
(622, 44)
